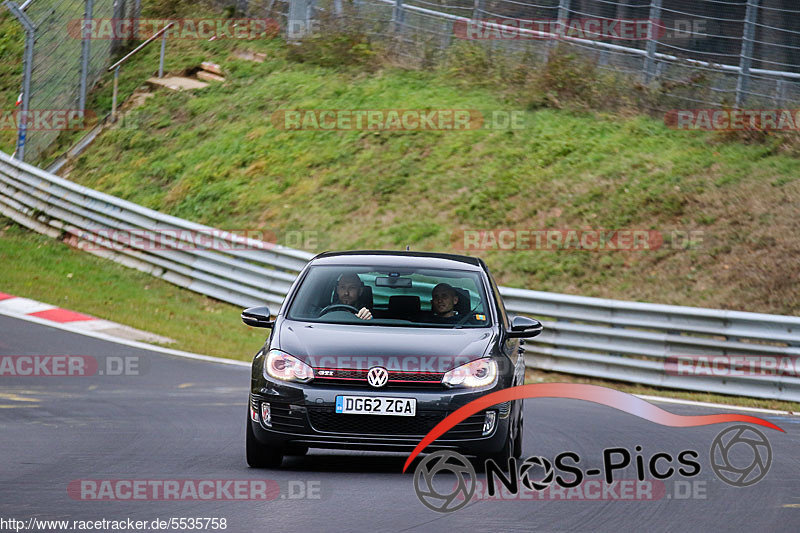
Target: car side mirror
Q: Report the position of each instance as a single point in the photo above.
(258, 317)
(523, 327)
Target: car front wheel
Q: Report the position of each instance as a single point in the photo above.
(260, 455)
(502, 456)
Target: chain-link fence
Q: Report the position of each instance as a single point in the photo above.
(61, 63)
(703, 53)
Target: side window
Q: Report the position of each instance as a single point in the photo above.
(501, 308)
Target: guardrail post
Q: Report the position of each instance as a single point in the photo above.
(86, 35)
(27, 71)
(652, 41)
(746, 55)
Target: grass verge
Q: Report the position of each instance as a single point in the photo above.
(44, 269)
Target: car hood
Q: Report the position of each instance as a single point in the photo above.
(395, 348)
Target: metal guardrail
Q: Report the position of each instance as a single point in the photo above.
(611, 339)
(257, 273)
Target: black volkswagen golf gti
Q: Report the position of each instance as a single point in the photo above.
(371, 349)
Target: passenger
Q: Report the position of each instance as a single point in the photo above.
(444, 299)
(349, 289)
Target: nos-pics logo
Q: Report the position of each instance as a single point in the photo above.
(740, 456)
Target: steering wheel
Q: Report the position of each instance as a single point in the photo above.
(339, 307)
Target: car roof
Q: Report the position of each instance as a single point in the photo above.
(400, 259)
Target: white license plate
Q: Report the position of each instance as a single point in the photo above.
(376, 405)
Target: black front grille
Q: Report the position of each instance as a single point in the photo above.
(416, 376)
(325, 420)
(358, 378)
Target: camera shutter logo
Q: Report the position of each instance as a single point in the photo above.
(525, 472)
(439, 462)
(728, 455)
(377, 376)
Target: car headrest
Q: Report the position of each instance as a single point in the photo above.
(403, 305)
(365, 300)
(463, 306)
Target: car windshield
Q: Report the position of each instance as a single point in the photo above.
(424, 297)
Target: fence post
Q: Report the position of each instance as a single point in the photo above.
(398, 15)
(298, 21)
(27, 71)
(563, 20)
(114, 95)
(119, 12)
(86, 35)
(746, 55)
(563, 12)
(161, 55)
(652, 42)
(780, 92)
(476, 9)
(137, 13)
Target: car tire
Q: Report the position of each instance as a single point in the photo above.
(500, 457)
(518, 441)
(260, 455)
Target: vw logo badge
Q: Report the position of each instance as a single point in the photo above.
(377, 376)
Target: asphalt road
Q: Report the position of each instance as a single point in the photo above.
(182, 419)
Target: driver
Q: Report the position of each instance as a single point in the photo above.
(349, 289)
(443, 301)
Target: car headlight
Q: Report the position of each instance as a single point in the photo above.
(477, 373)
(280, 365)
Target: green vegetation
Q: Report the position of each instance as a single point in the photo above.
(49, 271)
(215, 156)
(12, 43)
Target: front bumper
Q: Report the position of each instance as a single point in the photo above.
(305, 415)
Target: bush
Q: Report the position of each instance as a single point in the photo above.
(340, 48)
